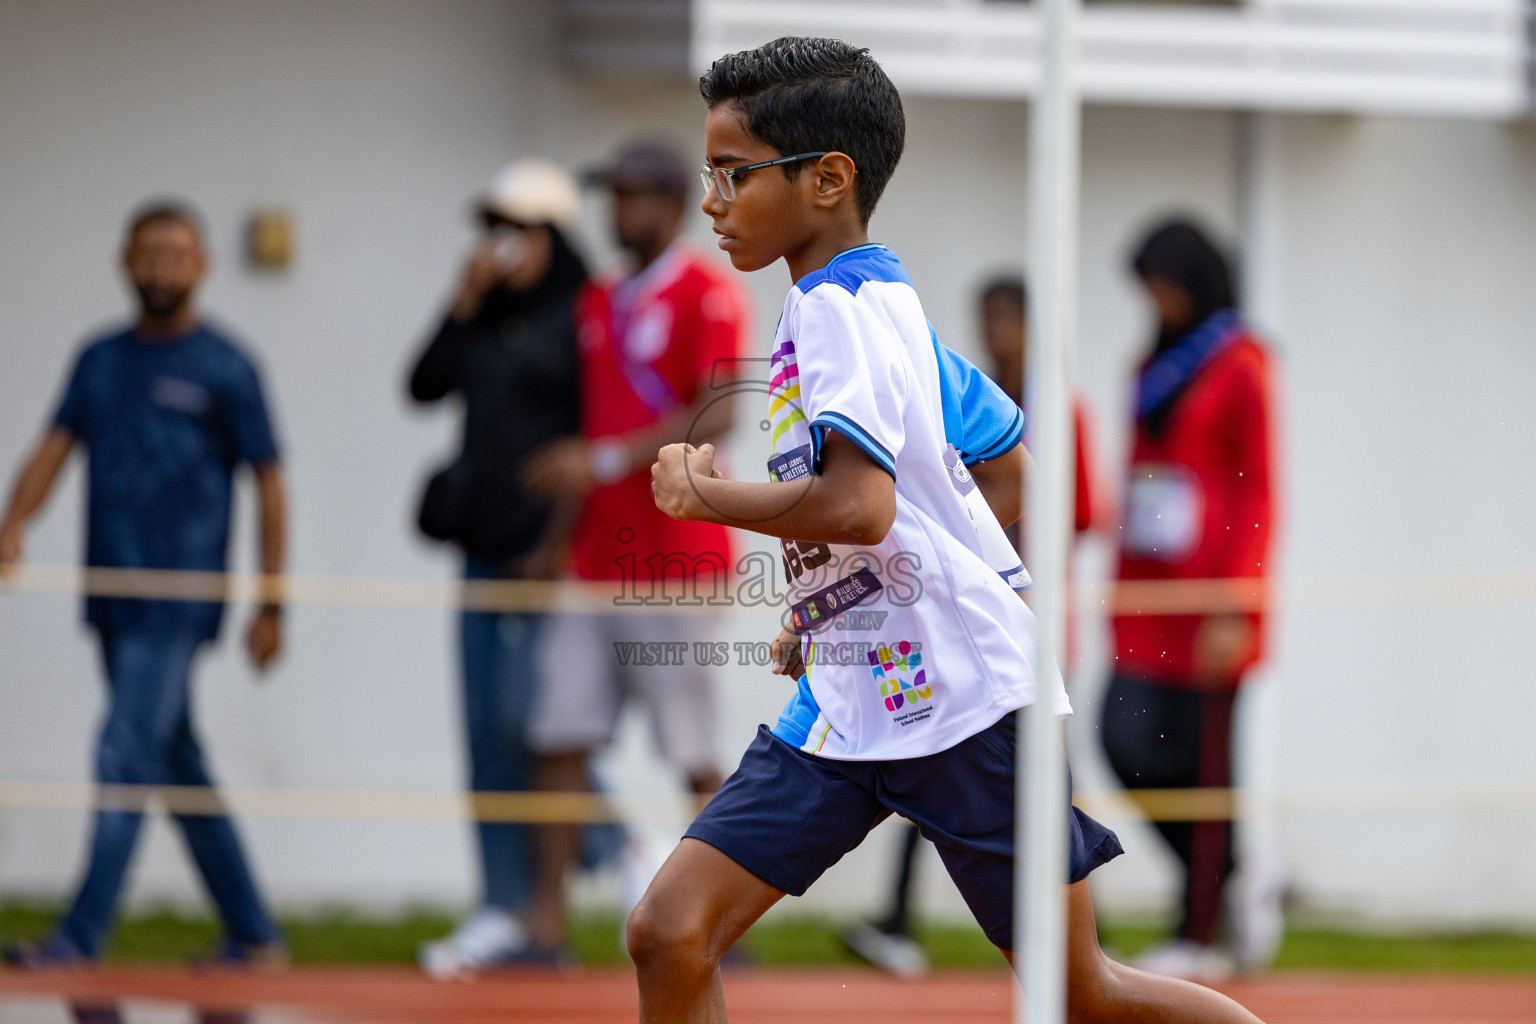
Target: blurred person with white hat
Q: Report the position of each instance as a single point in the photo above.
(507, 347)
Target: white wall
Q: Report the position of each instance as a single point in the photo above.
(1407, 326)
(1403, 251)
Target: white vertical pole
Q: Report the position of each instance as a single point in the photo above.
(1261, 869)
(1054, 158)
(1260, 218)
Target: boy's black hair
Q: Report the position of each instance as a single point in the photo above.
(162, 210)
(801, 94)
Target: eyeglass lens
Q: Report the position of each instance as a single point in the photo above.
(718, 178)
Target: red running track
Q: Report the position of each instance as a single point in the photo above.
(358, 996)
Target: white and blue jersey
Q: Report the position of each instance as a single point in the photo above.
(915, 643)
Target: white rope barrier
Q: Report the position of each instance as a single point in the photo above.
(1149, 597)
(1404, 590)
(1361, 799)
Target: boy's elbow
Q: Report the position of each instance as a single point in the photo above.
(868, 536)
(867, 525)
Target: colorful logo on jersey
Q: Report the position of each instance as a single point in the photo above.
(898, 669)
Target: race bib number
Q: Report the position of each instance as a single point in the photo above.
(817, 610)
(801, 557)
(1164, 510)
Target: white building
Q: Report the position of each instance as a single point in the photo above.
(1384, 195)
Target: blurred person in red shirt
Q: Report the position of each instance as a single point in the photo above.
(1198, 504)
(658, 342)
(1003, 309)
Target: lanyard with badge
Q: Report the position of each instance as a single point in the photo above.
(624, 318)
(995, 549)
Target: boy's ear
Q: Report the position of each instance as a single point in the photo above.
(832, 180)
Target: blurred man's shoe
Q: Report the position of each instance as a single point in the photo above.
(1257, 922)
(896, 952)
(639, 860)
(232, 954)
(52, 953)
(1188, 960)
(96, 1013)
(489, 938)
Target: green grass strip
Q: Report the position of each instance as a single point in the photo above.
(343, 937)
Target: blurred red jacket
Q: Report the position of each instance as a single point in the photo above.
(1199, 503)
(1085, 507)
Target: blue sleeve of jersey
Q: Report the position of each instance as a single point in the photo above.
(979, 419)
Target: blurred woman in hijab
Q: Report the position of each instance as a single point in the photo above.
(1198, 504)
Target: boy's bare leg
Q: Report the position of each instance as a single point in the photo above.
(698, 905)
(1100, 991)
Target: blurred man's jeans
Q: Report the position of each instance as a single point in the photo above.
(499, 652)
(148, 740)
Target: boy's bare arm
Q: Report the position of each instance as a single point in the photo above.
(851, 501)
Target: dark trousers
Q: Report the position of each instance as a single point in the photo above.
(1166, 737)
(147, 740)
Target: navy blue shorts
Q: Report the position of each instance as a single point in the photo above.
(787, 816)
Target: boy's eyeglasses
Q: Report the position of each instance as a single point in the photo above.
(723, 179)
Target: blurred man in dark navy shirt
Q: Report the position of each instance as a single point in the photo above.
(166, 409)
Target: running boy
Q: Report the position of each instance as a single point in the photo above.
(802, 136)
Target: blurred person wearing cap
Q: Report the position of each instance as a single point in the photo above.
(507, 349)
(1199, 503)
(167, 410)
(658, 340)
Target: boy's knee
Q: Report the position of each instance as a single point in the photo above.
(669, 938)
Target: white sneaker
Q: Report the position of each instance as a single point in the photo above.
(488, 937)
(902, 955)
(1188, 960)
(1257, 917)
(642, 856)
